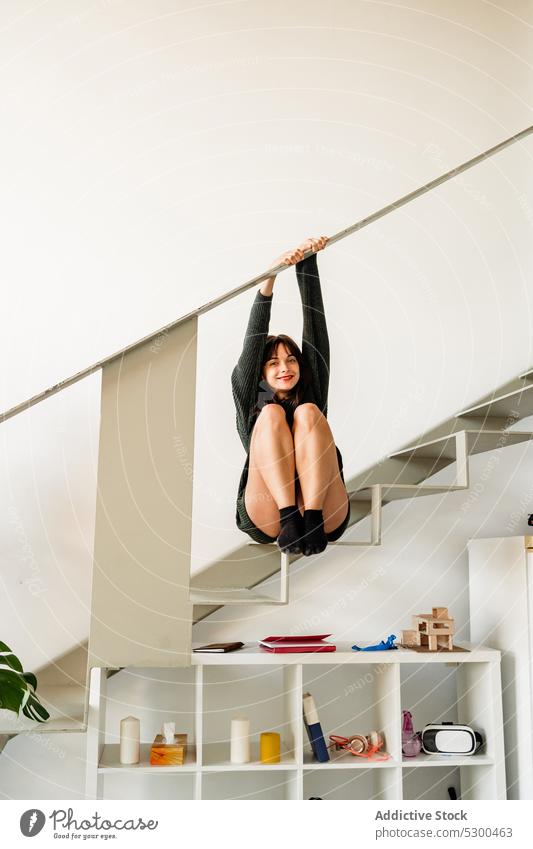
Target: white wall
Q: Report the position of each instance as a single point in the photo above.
(160, 154)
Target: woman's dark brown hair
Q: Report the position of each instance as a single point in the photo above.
(296, 394)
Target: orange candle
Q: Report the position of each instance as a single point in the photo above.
(270, 747)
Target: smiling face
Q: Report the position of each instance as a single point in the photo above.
(281, 371)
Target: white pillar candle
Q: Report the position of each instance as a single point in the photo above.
(240, 740)
(130, 737)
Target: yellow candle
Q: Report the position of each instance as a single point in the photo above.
(270, 746)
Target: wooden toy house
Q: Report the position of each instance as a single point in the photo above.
(432, 631)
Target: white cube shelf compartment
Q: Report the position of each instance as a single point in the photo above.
(431, 784)
(356, 698)
(271, 784)
(144, 786)
(358, 784)
(464, 693)
(150, 695)
(355, 692)
(261, 693)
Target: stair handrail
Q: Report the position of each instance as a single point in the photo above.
(232, 293)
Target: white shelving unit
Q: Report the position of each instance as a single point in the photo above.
(355, 692)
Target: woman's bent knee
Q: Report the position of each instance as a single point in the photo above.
(271, 413)
(308, 414)
(271, 418)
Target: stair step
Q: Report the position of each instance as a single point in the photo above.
(513, 405)
(64, 703)
(230, 595)
(398, 491)
(361, 496)
(489, 440)
(478, 442)
(442, 448)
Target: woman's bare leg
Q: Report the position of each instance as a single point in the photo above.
(335, 504)
(270, 484)
(315, 455)
(320, 483)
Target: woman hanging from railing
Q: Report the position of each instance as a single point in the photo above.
(292, 485)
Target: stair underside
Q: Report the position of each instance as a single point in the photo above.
(511, 405)
(479, 441)
(230, 595)
(399, 491)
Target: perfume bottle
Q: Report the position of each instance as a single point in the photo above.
(411, 742)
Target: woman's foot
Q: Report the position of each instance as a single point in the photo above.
(292, 530)
(314, 539)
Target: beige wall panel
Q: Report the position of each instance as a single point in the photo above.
(141, 615)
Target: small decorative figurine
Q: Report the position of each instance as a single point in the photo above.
(384, 645)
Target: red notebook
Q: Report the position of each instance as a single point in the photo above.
(281, 645)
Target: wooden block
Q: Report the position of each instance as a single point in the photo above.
(169, 754)
(442, 626)
(440, 613)
(411, 638)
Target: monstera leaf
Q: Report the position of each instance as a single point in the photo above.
(17, 688)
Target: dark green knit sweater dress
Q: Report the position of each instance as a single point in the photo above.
(250, 392)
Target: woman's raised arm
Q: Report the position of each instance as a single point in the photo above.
(315, 339)
(246, 374)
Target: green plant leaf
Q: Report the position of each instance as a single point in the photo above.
(33, 709)
(17, 688)
(10, 677)
(7, 657)
(11, 696)
(30, 678)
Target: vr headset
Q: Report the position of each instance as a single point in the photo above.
(446, 738)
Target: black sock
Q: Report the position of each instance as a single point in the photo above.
(291, 531)
(315, 539)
